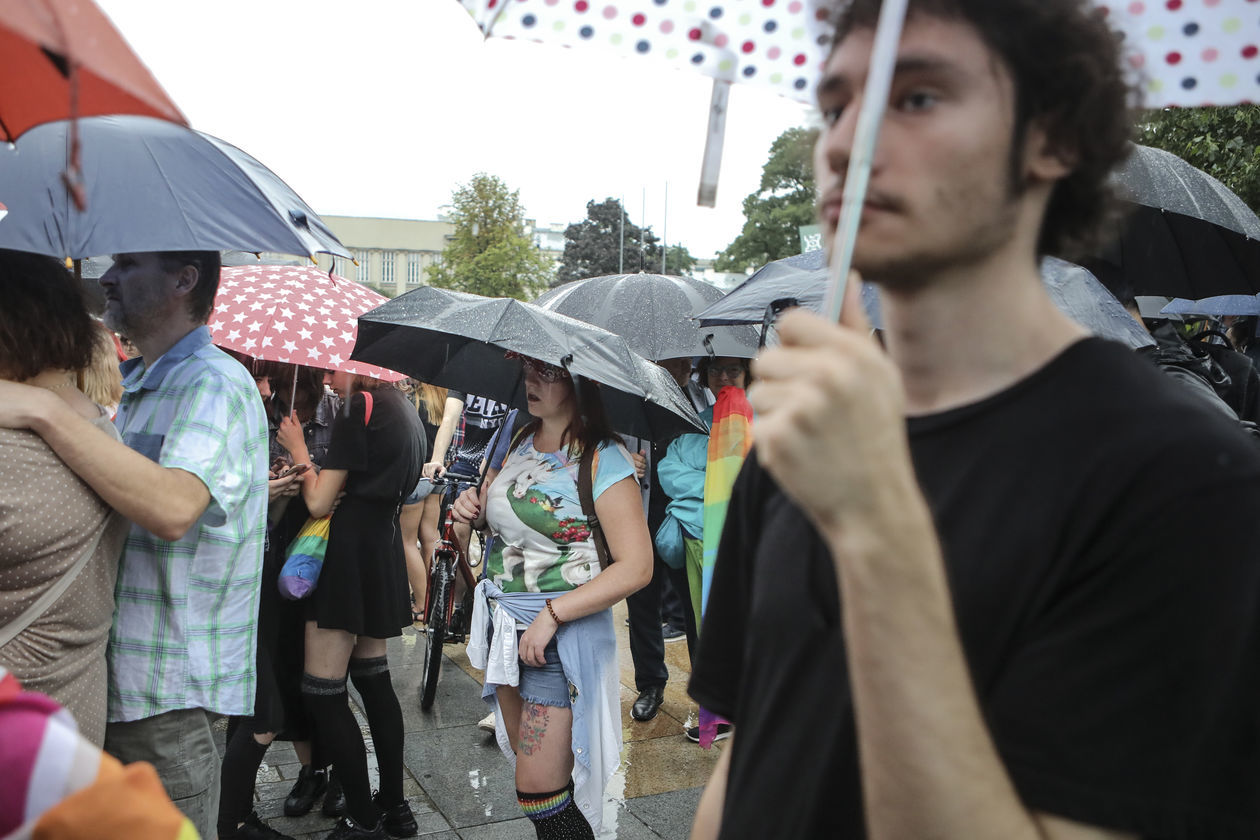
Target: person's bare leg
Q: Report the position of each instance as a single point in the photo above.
(544, 771)
(417, 570)
(544, 747)
(327, 651)
(510, 708)
(429, 526)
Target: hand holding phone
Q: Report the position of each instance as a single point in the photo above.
(296, 469)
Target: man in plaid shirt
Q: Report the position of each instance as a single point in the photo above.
(192, 478)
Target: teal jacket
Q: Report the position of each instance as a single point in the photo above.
(681, 473)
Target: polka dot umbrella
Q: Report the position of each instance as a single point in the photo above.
(779, 43)
(776, 43)
(1191, 52)
(1187, 52)
(1181, 52)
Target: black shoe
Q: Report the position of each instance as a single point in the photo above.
(310, 785)
(397, 819)
(348, 829)
(334, 798)
(253, 829)
(649, 703)
(670, 633)
(723, 732)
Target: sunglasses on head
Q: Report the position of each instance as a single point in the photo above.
(545, 372)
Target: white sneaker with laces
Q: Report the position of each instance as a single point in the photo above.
(486, 724)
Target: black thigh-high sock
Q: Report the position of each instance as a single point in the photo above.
(380, 704)
(555, 815)
(342, 742)
(241, 761)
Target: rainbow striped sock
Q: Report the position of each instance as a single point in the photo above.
(539, 806)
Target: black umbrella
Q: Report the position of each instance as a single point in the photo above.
(653, 313)
(803, 280)
(457, 340)
(1187, 234)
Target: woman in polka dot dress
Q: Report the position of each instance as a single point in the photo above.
(55, 532)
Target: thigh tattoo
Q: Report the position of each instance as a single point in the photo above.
(533, 727)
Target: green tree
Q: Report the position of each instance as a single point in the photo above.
(1222, 141)
(490, 254)
(678, 260)
(784, 201)
(591, 245)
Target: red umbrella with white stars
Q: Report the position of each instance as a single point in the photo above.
(299, 315)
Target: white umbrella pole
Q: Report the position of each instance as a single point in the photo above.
(293, 392)
(892, 16)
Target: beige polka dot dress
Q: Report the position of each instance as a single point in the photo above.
(48, 517)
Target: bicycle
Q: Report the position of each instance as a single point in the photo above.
(443, 623)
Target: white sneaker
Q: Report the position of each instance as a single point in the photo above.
(486, 724)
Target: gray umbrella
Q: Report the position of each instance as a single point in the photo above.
(1214, 307)
(1187, 234)
(803, 279)
(151, 186)
(457, 340)
(653, 313)
(799, 280)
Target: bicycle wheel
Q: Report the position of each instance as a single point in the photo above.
(439, 610)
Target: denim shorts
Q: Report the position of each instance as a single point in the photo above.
(423, 488)
(545, 686)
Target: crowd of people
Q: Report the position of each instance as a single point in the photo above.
(150, 607)
(988, 576)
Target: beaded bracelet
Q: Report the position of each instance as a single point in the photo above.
(553, 612)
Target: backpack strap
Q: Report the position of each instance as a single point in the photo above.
(586, 479)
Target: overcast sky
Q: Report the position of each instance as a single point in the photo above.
(381, 107)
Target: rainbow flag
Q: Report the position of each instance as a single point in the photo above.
(54, 785)
(730, 438)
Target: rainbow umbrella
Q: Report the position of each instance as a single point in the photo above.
(730, 438)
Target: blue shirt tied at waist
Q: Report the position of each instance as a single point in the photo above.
(588, 654)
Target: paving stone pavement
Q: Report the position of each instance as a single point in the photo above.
(459, 784)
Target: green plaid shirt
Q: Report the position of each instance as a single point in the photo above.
(185, 623)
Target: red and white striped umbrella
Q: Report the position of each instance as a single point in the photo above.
(299, 315)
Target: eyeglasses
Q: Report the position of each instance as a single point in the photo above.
(729, 371)
(547, 373)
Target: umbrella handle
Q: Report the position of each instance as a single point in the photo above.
(714, 138)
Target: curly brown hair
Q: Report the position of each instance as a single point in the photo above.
(44, 323)
(1065, 65)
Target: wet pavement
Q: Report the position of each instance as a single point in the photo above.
(460, 785)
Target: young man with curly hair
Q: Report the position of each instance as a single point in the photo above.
(1010, 570)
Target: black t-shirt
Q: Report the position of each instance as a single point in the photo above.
(1100, 531)
(383, 457)
(480, 420)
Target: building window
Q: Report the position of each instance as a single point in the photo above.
(415, 268)
(341, 266)
(387, 269)
(364, 272)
